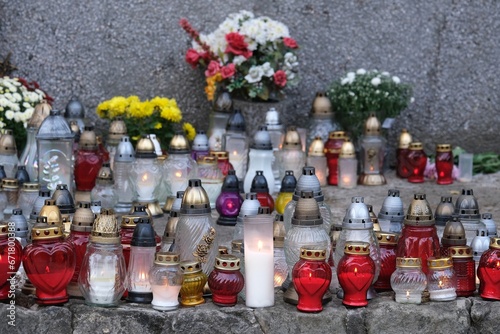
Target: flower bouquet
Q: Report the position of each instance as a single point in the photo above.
(156, 116)
(254, 58)
(358, 94)
(18, 99)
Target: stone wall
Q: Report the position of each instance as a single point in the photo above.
(447, 49)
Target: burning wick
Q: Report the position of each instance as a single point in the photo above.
(440, 284)
(259, 245)
(407, 294)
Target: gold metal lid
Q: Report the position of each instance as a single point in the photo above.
(42, 110)
(237, 246)
(167, 258)
(357, 247)
(337, 135)
(404, 139)
(190, 267)
(387, 238)
(443, 148)
(292, 139)
(317, 147)
(195, 199)
(129, 221)
(416, 146)
(31, 187)
(279, 231)
(419, 212)
(347, 150)
(460, 252)
(9, 183)
(372, 126)
(145, 148)
(4, 229)
(179, 144)
(495, 243)
(105, 228)
(321, 106)
(439, 263)
(227, 262)
(43, 231)
(312, 254)
(83, 215)
(88, 139)
(105, 174)
(8, 142)
(52, 212)
(117, 129)
(206, 160)
(223, 250)
(220, 155)
(73, 125)
(408, 262)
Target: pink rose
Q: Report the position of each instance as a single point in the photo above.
(192, 57)
(212, 69)
(280, 78)
(227, 71)
(290, 42)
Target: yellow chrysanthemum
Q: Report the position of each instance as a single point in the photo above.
(218, 77)
(137, 109)
(158, 126)
(133, 98)
(170, 111)
(102, 109)
(210, 91)
(117, 106)
(148, 108)
(189, 130)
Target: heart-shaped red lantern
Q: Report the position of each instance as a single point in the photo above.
(10, 259)
(489, 271)
(49, 263)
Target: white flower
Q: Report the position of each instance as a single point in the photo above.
(396, 79)
(385, 74)
(291, 60)
(17, 97)
(361, 71)
(9, 114)
(351, 93)
(412, 100)
(376, 81)
(254, 74)
(267, 69)
(351, 75)
(344, 81)
(238, 60)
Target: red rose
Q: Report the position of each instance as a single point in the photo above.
(236, 44)
(212, 69)
(280, 78)
(227, 71)
(192, 57)
(290, 42)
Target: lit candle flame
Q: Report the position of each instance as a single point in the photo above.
(47, 269)
(498, 264)
(355, 271)
(407, 294)
(144, 178)
(178, 174)
(235, 153)
(142, 276)
(259, 245)
(310, 276)
(440, 284)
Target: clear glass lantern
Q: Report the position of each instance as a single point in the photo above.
(276, 132)
(169, 233)
(235, 142)
(260, 158)
(166, 279)
(117, 129)
(55, 152)
(229, 201)
(287, 189)
(218, 120)
(467, 209)
(391, 212)
(291, 156)
(280, 265)
(8, 153)
(306, 231)
(145, 176)
(27, 197)
(10, 188)
(441, 279)
(200, 145)
(102, 273)
(347, 166)
(372, 153)
(29, 157)
(104, 189)
(321, 120)
(179, 167)
(75, 111)
(408, 280)
(88, 161)
(211, 178)
(317, 159)
(123, 160)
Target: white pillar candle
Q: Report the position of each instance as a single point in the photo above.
(145, 187)
(259, 260)
(165, 297)
(443, 295)
(409, 297)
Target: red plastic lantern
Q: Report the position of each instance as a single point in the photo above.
(402, 169)
(10, 258)
(387, 243)
(311, 277)
(417, 161)
(88, 161)
(260, 187)
(226, 280)
(444, 164)
(465, 270)
(49, 263)
(355, 272)
(332, 152)
(222, 161)
(488, 271)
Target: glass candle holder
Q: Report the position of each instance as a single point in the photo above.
(356, 271)
(276, 133)
(453, 235)
(259, 261)
(291, 156)
(465, 163)
(372, 153)
(444, 211)
(8, 153)
(408, 280)
(27, 197)
(88, 161)
(194, 280)
(465, 270)
(280, 266)
(11, 188)
(402, 168)
(21, 175)
(321, 120)
(104, 189)
(488, 271)
(123, 160)
(49, 263)
(387, 243)
(117, 129)
(417, 161)
(311, 278)
(229, 201)
(211, 177)
(347, 166)
(491, 226)
(145, 173)
(480, 244)
(332, 152)
(166, 279)
(11, 253)
(222, 158)
(171, 226)
(226, 280)
(250, 207)
(200, 145)
(261, 188)
(317, 159)
(441, 279)
(236, 143)
(444, 164)
(261, 158)
(287, 189)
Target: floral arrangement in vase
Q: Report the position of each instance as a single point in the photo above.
(254, 58)
(157, 116)
(18, 99)
(356, 95)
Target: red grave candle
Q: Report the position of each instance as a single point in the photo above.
(444, 164)
(402, 170)
(387, 243)
(222, 161)
(465, 270)
(10, 258)
(226, 280)
(355, 272)
(488, 271)
(49, 263)
(311, 278)
(332, 152)
(417, 160)
(88, 161)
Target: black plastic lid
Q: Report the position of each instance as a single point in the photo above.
(22, 175)
(2, 172)
(259, 183)
(231, 182)
(139, 210)
(289, 182)
(264, 210)
(144, 234)
(43, 192)
(236, 122)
